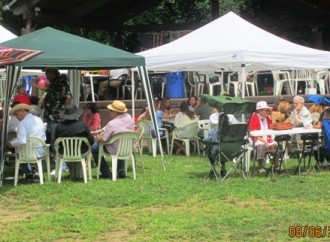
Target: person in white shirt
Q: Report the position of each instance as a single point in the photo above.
(29, 125)
(114, 81)
(182, 119)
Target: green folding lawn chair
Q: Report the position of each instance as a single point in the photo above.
(232, 138)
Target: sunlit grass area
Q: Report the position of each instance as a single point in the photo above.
(178, 204)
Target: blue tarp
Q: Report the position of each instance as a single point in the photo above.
(319, 99)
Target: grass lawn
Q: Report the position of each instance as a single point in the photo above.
(173, 205)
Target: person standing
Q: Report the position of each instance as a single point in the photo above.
(58, 95)
(29, 125)
(120, 122)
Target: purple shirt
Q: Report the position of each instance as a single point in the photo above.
(121, 123)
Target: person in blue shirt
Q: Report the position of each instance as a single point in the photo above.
(159, 116)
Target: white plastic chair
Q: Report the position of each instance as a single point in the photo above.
(233, 79)
(152, 141)
(251, 83)
(321, 79)
(217, 83)
(204, 127)
(72, 153)
(28, 154)
(201, 82)
(192, 130)
(282, 79)
(124, 151)
(302, 76)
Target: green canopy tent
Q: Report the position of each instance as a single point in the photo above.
(67, 51)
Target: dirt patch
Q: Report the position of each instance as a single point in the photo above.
(10, 211)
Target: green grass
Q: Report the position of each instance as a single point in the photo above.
(173, 205)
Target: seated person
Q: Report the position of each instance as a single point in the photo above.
(21, 96)
(165, 106)
(120, 121)
(72, 127)
(113, 81)
(316, 111)
(182, 119)
(300, 115)
(260, 121)
(204, 110)
(192, 103)
(29, 126)
(91, 116)
(282, 115)
(159, 116)
(169, 113)
(318, 124)
(35, 105)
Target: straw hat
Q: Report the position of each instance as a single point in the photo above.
(117, 106)
(262, 105)
(71, 112)
(20, 106)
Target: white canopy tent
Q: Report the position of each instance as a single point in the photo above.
(5, 34)
(228, 42)
(233, 44)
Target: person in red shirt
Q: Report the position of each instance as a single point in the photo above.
(22, 96)
(260, 120)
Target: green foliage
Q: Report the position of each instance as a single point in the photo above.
(173, 205)
(186, 11)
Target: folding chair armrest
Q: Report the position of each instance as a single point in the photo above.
(209, 143)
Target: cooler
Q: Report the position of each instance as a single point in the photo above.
(175, 83)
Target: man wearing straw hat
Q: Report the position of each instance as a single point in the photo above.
(29, 125)
(120, 122)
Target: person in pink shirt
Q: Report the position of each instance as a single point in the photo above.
(120, 122)
(22, 96)
(91, 116)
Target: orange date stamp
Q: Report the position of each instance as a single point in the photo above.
(309, 231)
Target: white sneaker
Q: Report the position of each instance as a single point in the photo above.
(53, 173)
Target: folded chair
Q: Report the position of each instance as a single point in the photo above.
(230, 146)
(307, 150)
(278, 153)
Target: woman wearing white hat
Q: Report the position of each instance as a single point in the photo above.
(260, 121)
